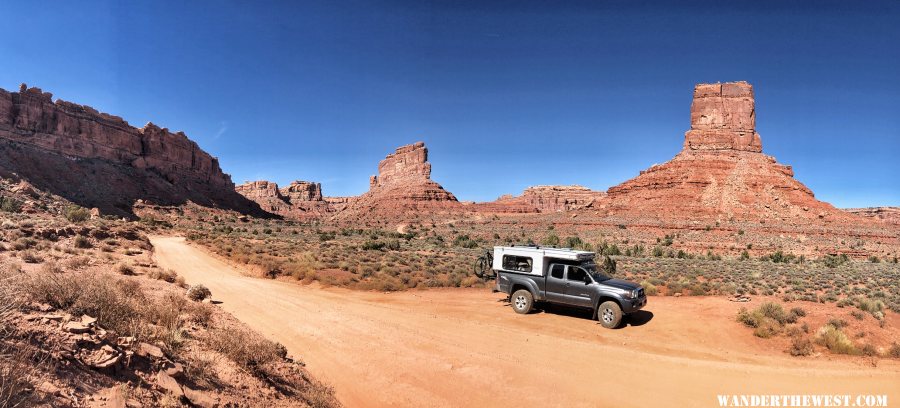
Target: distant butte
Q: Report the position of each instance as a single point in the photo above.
(721, 173)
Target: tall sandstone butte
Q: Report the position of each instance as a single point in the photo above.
(721, 173)
(99, 160)
(403, 186)
(299, 200)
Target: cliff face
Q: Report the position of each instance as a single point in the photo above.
(299, 200)
(42, 137)
(544, 199)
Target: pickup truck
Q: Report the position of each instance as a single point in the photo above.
(530, 274)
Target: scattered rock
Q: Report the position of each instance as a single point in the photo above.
(76, 327)
(149, 350)
(167, 383)
(200, 398)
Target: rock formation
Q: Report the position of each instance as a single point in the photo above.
(299, 200)
(403, 186)
(721, 173)
(99, 160)
(723, 117)
(890, 215)
(544, 199)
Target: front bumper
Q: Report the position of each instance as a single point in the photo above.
(633, 305)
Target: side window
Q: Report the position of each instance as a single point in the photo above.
(576, 274)
(517, 263)
(556, 271)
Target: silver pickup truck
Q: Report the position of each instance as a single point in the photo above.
(530, 274)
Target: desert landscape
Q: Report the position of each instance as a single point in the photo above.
(136, 272)
(372, 301)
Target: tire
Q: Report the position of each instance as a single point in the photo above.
(609, 314)
(522, 301)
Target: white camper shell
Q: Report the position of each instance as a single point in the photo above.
(534, 260)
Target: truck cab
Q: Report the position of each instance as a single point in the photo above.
(532, 274)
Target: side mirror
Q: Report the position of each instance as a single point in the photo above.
(588, 280)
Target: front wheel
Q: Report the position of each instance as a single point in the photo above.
(609, 314)
(522, 301)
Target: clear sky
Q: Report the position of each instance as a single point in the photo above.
(505, 94)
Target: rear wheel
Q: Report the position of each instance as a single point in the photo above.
(522, 301)
(609, 314)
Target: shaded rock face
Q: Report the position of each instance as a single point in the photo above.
(721, 173)
(41, 136)
(723, 117)
(543, 199)
(299, 200)
(403, 186)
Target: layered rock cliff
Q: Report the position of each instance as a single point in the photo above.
(544, 199)
(299, 200)
(99, 160)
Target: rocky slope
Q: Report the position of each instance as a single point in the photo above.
(99, 160)
(403, 186)
(299, 200)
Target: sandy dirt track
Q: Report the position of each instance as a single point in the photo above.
(468, 348)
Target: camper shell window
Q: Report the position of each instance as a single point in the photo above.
(517, 263)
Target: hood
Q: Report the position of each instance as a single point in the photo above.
(620, 284)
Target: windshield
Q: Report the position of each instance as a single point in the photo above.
(591, 269)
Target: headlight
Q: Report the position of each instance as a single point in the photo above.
(636, 293)
(629, 294)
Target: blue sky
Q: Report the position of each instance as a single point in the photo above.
(505, 94)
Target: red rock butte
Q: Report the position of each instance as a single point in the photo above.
(721, 173)
(403, 186)
(116, 164)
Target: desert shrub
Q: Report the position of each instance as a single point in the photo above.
(835, 340)
(198, 292)
(10, 204)
(246, 348)
(858, 315)
(78, 262)
(837, 323)
(870, 305)
(30, 256)
(649, 288)
(551, 240)
(76, 214)
(124, 269)
(767, 320)
(800, 346)
(373, 245)
(894, 351)
(868, 350)
(81, 241)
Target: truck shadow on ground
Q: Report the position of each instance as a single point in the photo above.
(636, 319)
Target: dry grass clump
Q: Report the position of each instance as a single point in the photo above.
(894, 351)
(118, 304)
(16, 365)
(165, 275)
(246, 348)
(835, 340)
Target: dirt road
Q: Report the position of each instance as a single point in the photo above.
(468, 348)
